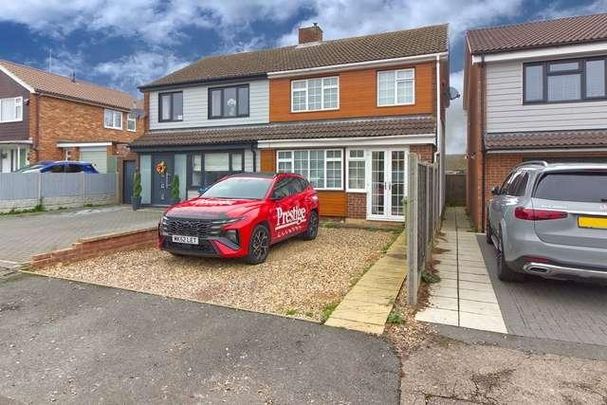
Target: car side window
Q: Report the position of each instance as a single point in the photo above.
(505, 189)
(59, 168)
(72, 168)
(520, 184)
(281, 189)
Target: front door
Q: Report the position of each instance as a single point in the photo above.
(162, 173)
(386, 178)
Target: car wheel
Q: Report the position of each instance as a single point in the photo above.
(488, 233)
(259, 245)
(312, 232)
(504, 272)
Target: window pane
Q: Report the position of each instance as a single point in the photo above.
(216, 103)
(107, 118)
(165, 106)
(564, 87)
(357, 154)
(216, 162)
(177, 106)
(229, 102)
(284, 155)
(301, 162)
(330, 81)
(356, 174)
(317, 168)
(595, 78)
(333, 174)
(330, 96)
(7, 109)
(117, 119)
(284, 167)
(314, 94)
(574, 186)
(560, 67)
(18, 108)
(299, 85)
(243, 101)
(386, 88)
(197, 170)
(299, 100)
(236, 162)
(534, 84)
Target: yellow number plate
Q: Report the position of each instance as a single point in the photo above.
(592, 222)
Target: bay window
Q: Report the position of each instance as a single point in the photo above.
(356, 170)
(564, 80)
(112, 119)
(206, 168)
(323, 168)
(11, 109)
(315, 94)
(395, 87)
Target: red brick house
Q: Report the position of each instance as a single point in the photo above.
(44, 116)
(533, 91)
(343, 113)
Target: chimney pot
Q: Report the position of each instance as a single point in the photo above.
(310, 34)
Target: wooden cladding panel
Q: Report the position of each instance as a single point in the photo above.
(333, 203)
(357, 96)
(268, 160)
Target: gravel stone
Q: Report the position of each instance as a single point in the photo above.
(299, 277)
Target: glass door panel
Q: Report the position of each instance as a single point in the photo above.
(397, 184)
(378, 159)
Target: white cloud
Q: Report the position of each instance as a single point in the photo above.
(456, 120)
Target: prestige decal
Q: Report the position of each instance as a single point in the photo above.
(294, 216)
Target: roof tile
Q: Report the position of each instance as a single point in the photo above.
(546, 139)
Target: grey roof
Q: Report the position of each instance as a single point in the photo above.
(389, 45)
(348, 128)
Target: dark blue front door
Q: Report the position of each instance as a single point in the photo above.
(162, 173)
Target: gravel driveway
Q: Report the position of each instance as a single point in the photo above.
(299, 278)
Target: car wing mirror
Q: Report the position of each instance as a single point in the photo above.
(202, 190)
(495, 190)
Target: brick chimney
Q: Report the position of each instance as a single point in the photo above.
(310, 34)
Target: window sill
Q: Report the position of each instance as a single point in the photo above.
(395, 105)
(9, 121)
(356, 191)
(310, 111)
(114, 128)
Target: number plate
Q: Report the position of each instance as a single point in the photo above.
(592, 222)
(190, 240)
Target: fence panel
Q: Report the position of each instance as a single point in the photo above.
(423, 219)
(60, 184)
(99, 184)
(18, 186)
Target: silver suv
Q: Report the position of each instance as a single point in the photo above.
(550, 220)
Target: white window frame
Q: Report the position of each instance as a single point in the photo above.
(291, 160)
(322, 94)
(395, 87)
(105, 111)
(18, 103)
(131, 117)
(355, 159)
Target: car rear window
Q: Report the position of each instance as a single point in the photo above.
(586, 186)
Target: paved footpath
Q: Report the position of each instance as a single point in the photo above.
(67, 342)
(464, 296)
(367, 306)
(26, 235)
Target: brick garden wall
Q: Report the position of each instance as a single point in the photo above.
(98, 246)
(357, 205)
(425, 152)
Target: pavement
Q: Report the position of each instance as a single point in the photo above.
(69, 342)
(465, 296)
(368, 304)
(26, 235)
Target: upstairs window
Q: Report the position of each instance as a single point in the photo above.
(170, 106)
(112, 119)
(11, 109)
(564, 81)
(315, 94)
(395, 87)
(131, 122)
(229, 102)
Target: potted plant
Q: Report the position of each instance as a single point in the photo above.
(175, 190)
(136, 197)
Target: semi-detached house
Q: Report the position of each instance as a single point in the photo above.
(344, 113)
(45, 116)
(533, 91)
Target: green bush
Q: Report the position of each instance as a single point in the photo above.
(137, 184)
(175, 188)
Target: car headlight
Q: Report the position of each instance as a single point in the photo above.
(163, 226)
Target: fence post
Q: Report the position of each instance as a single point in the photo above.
(412, 230)
(39, 186)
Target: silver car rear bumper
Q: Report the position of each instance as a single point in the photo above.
(555, 271)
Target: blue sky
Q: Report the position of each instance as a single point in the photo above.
(126, 43)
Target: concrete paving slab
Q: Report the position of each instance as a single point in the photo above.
(443, 302)
(482, 296)
(482, 322)
(438, 315)
(481, 308)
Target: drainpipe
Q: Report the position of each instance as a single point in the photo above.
(439, 154)
(482, 140)
(254, 158)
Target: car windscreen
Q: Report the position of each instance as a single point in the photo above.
(239, 188)
(579, 186)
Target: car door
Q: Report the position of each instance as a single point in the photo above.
(287, 216)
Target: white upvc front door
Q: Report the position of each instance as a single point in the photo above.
(386, 183)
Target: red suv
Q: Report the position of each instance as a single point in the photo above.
(241, 216)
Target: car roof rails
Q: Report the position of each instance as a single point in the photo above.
(533, 162)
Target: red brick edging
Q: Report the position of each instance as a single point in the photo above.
(87, 248)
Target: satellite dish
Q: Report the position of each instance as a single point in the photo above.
(453, 93)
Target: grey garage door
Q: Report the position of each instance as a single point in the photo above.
(95, 155)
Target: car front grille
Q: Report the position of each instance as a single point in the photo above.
(202, 228)
(204, 248)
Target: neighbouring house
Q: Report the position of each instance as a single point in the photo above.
(44, 116)
(344, 113)
(533, 91)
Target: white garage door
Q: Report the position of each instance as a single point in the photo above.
(97, 156)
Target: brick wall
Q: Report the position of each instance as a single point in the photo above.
(63, 120)
(98, 246)
(425, 152)
(357, 205)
